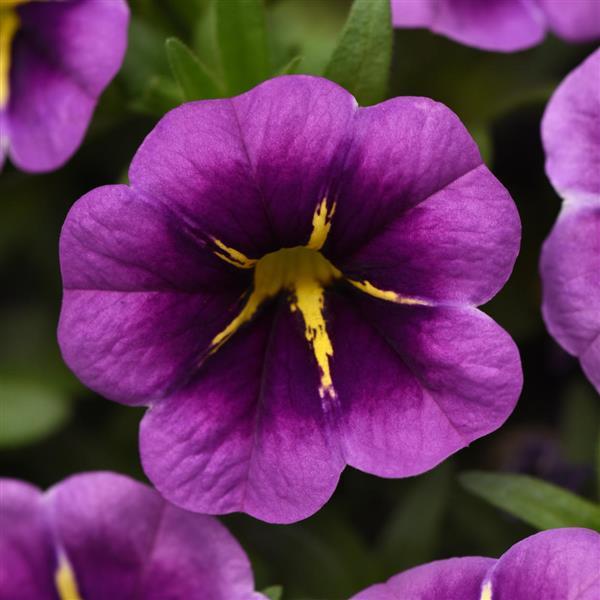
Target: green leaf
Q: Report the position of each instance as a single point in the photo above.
(145, 57)
(412, 533)
(242, 42)
(160, 95)
(483, 138)
(541, 504)
(274, 592)
(598, 468)
(194, 79)
(291, 67)
(362, 57)
(579, 421)
(29, 412)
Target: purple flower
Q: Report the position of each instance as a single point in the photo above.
(289, 283)
(558, 564)
(56, 58)
(97, 536)
(501, 25)
(570, 263)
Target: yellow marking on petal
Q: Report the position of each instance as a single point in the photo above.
(233, 256)
(65, 581)
(304, 273)
(321, 224)
(9, 25)
(369, 288)
(247, 312)
(486, 591)
(309, 300)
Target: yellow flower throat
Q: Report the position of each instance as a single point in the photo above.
(9, 25)
(303, 272)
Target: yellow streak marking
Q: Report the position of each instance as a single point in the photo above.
(9, 25)
(369, 288)
(304, 272)
(233, 256)
(310, 302)
(321, 224)
(65, 581)
(486, 591)
(247, 312)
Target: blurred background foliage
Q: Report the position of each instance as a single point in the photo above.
(51, 426)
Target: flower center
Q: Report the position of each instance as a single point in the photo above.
(65, 581)
(9, 25)
(302, 272)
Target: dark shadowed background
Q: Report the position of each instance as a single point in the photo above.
(51, 426)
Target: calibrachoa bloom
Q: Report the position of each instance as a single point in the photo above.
(559, 564)
(289, 283)
(97, 536)
(501, 25)
(56, 58)
(570, 263)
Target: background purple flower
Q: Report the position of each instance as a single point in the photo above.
(558, 564)
(57, 58)
(501, 25)
(96, 536)
(289, 283)
(570, 263)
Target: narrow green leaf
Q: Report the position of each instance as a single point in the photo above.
(579, 421)
(274, 592)
(242, 42)
(412, 532)
(483, 138)
(30, 411)
(362, 57)
(194, 79)
(291, 67)
(541, 504)
(145, 57)
(598, 468)
(159, 96)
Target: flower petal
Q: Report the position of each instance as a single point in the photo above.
(570, 269)
(4, 141)
(576, 21)
(124, 541)
(60, 67)
(403, 151)
(27, 559)
(455, 578)
(252, 170)
(571, 132)
(47, 115)
(554, 565)
(249, 434)
(115, 239)
(62, 29)
(459, 245)
(501, 25)
(143, 299)
(418, 213)
(296, 131)
(426, 382)
(413, 13)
